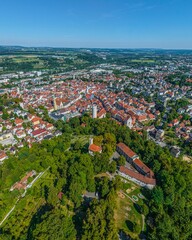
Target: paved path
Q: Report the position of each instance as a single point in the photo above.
(128, 197)
(7, 215)
(143, 225)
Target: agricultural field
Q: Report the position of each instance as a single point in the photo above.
(143, 60)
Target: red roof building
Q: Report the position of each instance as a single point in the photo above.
(3, 156)
(142, 168)
(102, 113)
(39, 132)
(18, 121)
(126, 152)
(144, 176)
(137, 177)
(60, 194)
(94, 148)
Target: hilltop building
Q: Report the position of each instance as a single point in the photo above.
(138, 172)
(93, 148)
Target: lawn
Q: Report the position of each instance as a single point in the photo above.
(127, 215)
(82, 139)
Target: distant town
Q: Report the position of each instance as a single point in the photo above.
(156, 98)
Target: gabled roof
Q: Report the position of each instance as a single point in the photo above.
(94, 148)
(38, 132)
(137, 176)
(126, 150)
(18, 121)
(2, 155)
(142, 166)
(102, 112)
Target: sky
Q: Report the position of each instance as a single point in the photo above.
(97, 23)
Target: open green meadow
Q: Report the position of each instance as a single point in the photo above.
(128, 216)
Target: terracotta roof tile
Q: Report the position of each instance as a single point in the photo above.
(95, 148)
(137, 176)
(126, 150)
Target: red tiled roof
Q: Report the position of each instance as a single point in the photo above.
(60, 194)
(126, 150)
(38, 132)
(151, 116)
(36, 119)
(141, 165)
(102, 112)
(94, 148)
(141, 117)
(18, 121)
(2, 155)
(137, 176)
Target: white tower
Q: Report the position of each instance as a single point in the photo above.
(18, 90)
(165, 103)
(90, 141)
(87, 90)
(94, 113)
(55, 104)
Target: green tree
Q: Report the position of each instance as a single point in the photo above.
(121, 161)
(56, 225)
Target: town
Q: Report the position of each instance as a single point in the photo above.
(82, 127)
(143, 97)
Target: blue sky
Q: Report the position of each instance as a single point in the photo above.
(97, 23)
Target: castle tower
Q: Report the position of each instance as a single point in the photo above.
(94, 113)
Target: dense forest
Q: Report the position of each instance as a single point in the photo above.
(43, 215)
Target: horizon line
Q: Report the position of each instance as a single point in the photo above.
(128, 48)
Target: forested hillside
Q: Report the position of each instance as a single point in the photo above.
(54, 208)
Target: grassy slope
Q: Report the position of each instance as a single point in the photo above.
(126, 213)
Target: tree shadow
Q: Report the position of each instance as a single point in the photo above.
(130, 225)
(124, 236)
(79, 217)
(36, 219)
(137, 208)
(84, 149)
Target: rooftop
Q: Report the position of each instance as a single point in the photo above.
(126, 150)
